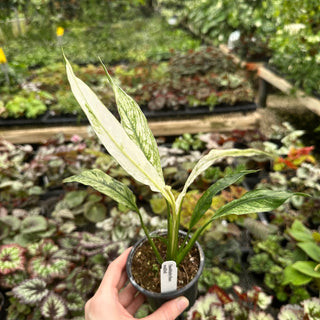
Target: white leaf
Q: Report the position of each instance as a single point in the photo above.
(113, 136)
(135, 124)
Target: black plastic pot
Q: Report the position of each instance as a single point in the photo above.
(155, 299)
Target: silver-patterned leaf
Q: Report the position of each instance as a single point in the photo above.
(31, 291)
(53, 307)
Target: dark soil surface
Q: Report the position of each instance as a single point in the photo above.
(146, 269)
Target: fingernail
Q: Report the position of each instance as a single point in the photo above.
(182, 303)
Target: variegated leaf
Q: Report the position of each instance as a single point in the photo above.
(11, 280)
(312, 307)
(254, 201)
(135, 123)
(97, 271)
(105, 184)
(205, 201)
(53, 307)
(54, 268)
(12, 258)
(31, 291)
(75, 301)
(208, 160)
(48, 247)
(114, 137)
(82, 282)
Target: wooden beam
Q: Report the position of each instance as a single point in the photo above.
(283, 85)
(213, 123)
(278, 82)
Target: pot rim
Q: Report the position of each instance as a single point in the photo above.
(178, 292)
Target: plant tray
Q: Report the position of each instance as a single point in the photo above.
(199, 111)
(49, 120)
(44, 119)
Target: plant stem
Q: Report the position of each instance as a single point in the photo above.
(173, 237)
(169, 228)
(189, 245)
(153, 246)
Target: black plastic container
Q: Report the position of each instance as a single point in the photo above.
(155, 299)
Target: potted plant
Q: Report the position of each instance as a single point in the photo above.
(134, 147)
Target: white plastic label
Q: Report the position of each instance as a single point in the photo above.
(168, 276)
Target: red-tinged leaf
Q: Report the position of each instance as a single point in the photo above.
(11, 258)
(241, 295)
(222, 295)
(196, 315)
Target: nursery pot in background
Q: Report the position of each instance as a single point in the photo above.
(156, 299)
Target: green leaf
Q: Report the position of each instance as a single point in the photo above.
(291, 275)
(105, 184)
(135, 124)
(74, 199)
(307, 268)
(95, 212)
(11, 221)
(254, 201)
(4, 231)
(300, 232)
(31, 291)
(113, 136)
(204, 203)
(53, 307)
(33, 224)
(208, 160)
(23, 239)
(311, 249)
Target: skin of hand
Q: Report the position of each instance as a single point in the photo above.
(112, 303)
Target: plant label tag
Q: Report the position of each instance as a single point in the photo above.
(168, 276)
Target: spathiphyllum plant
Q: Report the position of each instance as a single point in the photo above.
(134, 147)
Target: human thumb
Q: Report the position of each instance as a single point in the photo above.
(170, 310)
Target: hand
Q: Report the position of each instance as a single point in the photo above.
(110, 304)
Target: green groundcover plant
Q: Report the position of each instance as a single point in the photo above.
(134, 147)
